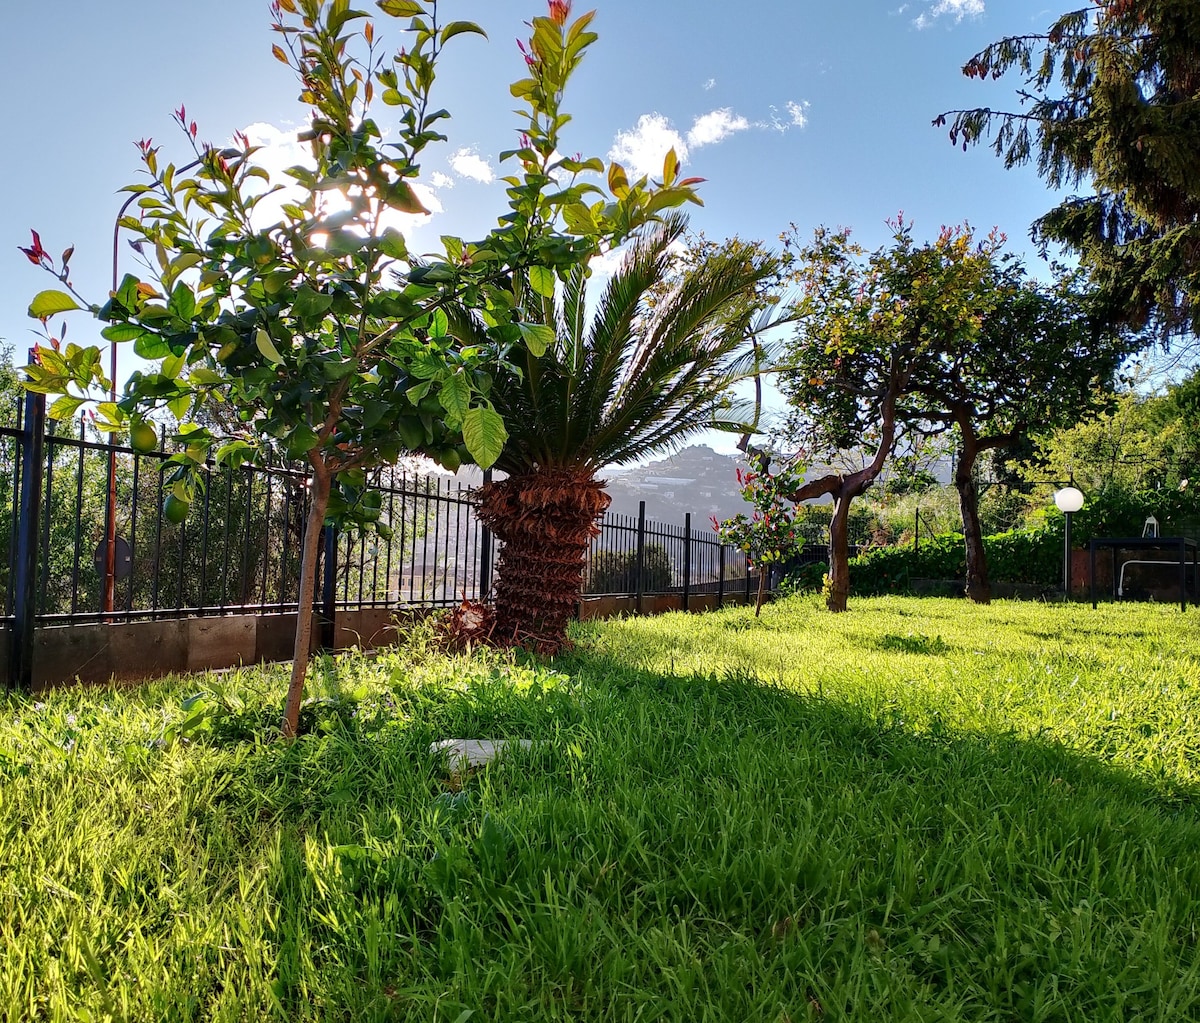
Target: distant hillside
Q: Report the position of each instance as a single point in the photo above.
(696, 479)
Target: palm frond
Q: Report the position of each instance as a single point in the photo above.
(651, 367)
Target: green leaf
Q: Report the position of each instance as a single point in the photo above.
(484, 434)
(618, 183)
(310, 304)
(455, 397)
(204, 376)
(179, 406)
(302, 440)
(262, 341)
(401, 197)
(439, 324)
(579, 219)
(50, 303)
(392, 243)
(65, 407)
(151, 346)
(457, 28)
(122, 332)
(401, 8)
(171, 366)
(184, 262)
(334, 370)
(183, 302)
(541, 279)
(538, 337)
(670, 167)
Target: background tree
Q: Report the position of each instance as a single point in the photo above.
(1109, 97)
(1137, 458)
(866, 325)
(1038, 359)
(648, 367)
(327, 338)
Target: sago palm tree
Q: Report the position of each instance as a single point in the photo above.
(650, 365)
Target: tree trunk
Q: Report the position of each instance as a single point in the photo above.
(979, 589)
(763, 571)
(319, 494)
(843, 490)
(839, 554)
(545, 520)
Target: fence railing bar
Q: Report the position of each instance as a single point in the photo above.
(78, 517)
(47, 505)
(215, 564)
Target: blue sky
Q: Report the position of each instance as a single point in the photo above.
(795, 111)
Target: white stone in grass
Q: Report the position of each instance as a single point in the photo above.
(468, 754)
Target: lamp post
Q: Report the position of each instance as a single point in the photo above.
(1068, 500)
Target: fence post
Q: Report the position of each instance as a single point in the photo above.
(641, 557)
(329, 588)
(687, 559)
(748, 570)
(21, 639)
(721, 577)
(485, 552)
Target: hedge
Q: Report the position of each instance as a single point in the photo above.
(1018, 556)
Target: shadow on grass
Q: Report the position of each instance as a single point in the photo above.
(678, 848)
(733, 850)
(909, 643)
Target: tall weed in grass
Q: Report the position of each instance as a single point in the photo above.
(915, 811)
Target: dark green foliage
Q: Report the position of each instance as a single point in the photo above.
(1109, 99)
(1118, 511)
(1033, 557)
(804, 578)
(616, 571)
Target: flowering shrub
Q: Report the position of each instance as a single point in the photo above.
(769, 535)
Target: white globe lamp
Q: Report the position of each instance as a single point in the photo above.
(1069, 500)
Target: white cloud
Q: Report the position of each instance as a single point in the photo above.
(957, 9)
(798, 112)
(642, 149)
(797, 117)
(605, 265)
(708, 84)
(440, 180)
(715, 126)
(467, 163)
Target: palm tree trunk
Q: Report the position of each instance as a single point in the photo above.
(545, 520)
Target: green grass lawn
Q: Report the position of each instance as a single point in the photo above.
(919, 810)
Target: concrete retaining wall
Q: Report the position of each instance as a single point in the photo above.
(135, 651)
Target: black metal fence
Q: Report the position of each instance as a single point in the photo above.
(239, 550)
